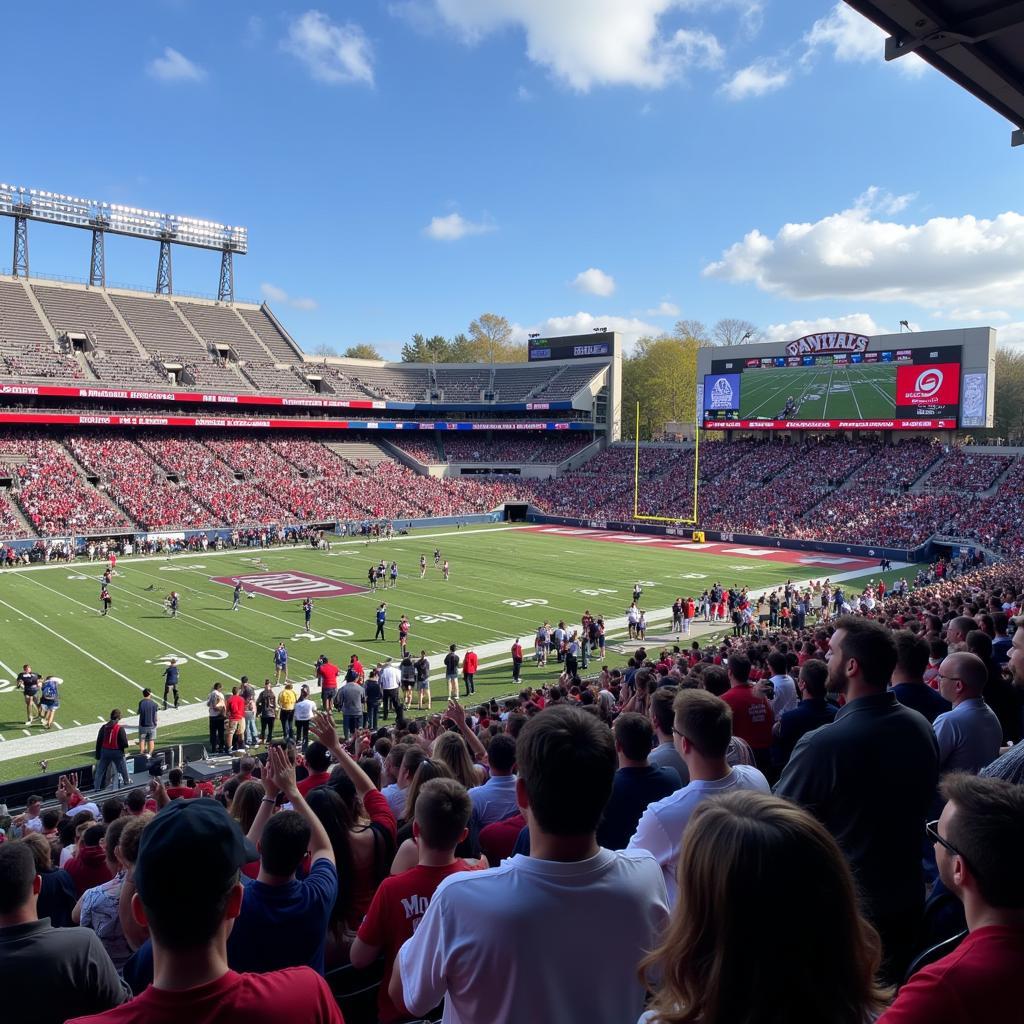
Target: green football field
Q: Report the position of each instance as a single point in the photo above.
(504, 582)
(821, 392)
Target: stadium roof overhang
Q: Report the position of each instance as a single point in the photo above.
(976, 43)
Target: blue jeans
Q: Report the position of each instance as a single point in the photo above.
(111, 760)
(372, 707)
(352, 724)
(251, 738)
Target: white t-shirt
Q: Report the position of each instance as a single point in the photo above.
(389, 678)
(304, 710)
(660, 830)
(477, 945)
(785, 697)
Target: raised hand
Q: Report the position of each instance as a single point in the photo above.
(323, 728)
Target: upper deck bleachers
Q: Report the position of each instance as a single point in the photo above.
(267, 332)
(20, 326)
(119, 368)
(222, 324)
(156, 324)
(84, 311)
(462, 385)
(276, 381)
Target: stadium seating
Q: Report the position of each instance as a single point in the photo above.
(40, 360)
(87, 312)
(273, 340)
(119, 368)
(275, 381)
(221, 324)
(158, 326)
(20, 326)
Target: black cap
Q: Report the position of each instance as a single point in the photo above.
(196, 831)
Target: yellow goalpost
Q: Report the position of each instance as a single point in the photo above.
(677, 520)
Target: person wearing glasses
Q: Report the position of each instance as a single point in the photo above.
(979, 847)
(701, 731)
(870, 779)
(969, 735)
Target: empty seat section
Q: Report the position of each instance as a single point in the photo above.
(158, 326)
(20, 326)
(269, 378)
(78, 310)
(221, 324)
(264, 328)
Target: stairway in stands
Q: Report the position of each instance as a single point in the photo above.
(360, 451)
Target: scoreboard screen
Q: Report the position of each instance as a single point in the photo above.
(575, 346)
(893, 389)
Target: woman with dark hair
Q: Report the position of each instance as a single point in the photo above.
(757, 872)
(362, 830)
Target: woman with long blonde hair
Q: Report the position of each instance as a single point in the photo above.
(766, 928)
(451, 748)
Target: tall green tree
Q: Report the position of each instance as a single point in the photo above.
(490, 340)
(661, 373)
(421, 349)
(1008, 412)
(362, 351)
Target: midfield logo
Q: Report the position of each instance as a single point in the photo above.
(289, 586)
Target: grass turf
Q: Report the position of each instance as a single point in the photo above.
(504, 583)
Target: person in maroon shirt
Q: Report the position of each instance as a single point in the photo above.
(189, 915)
(235, 708)
(979, 848)
(177, 790)
(89, 866)
(752, 717)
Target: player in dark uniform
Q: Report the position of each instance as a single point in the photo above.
(789, 409)
(371, 577)
(105, 599)
(28, 683)
(393, 574)
(307, 610)
(236, 599)
(437, 557)
(171, 682)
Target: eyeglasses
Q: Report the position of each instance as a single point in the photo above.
(932, 828)
(954, 679)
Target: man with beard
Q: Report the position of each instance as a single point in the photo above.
(870, 779)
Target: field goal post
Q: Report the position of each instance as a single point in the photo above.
(673, 520)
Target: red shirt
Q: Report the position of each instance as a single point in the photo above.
(236, 707)
(751, 716)
(182, 792)
(88, 867)
(978, 981)
(498, 840)
(312, 781)
(328, 674)
(469, 663)
(396, 910)
(357, 667)
(517, 651)
(254, 998)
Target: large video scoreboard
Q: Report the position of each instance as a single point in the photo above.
(842, 381)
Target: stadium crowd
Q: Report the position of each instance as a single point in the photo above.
(841, 780)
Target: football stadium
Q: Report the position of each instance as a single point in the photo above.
(311, 660)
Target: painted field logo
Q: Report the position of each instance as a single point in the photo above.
(289, 586)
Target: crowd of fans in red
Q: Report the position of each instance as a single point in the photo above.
(843, 786)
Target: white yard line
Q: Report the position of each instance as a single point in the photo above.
(493, 654)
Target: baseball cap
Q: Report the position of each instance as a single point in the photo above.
(183, 832)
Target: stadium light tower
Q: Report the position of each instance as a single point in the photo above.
(25, 204)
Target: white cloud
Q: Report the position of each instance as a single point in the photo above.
(592, 42)
(333, 53)
(856, 323)
(946, 261)
(594, 282)
(1011, 334)
(454, 226)
(663, 309)
(757, 79)
(272, 293)
(175, 67)
(853, 39)
(631, 328)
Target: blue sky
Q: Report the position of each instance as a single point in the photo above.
(405, 166)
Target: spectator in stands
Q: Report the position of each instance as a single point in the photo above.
(482, 931)
(979, 848)
(783, 685)
(755, 866)
(47, 974)
(956, 632)
(111, 744)
(89, 866)
(970, 734)
(98, 907)
(276, 903)
(189, 916)
(1011, 765)
(637, 783)
(57, 896)
(665, 755)
(495, 800)
(874, 803)
(908, 685)
(752, 717)
(812, 712)
(441, 818)
(702, 729)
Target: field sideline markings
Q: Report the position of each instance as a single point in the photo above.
(37, 743)
(279, 549)
(71, 643)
